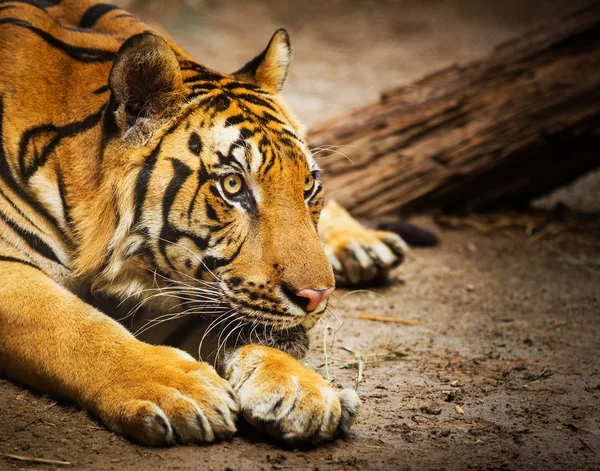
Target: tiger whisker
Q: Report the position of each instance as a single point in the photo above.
(173, 316)
(222, 321)
(228, 315)
(175, 282)
(221, 333)
(197, 280)
(241, 323)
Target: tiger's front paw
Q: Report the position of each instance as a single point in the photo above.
(360, 255)
(288, 400)
(160, 395)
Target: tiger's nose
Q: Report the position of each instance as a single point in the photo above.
(314, 296)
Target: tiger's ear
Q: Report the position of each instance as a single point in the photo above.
(269, 69)
(145, 82)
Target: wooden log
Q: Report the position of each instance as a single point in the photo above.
(499, 131)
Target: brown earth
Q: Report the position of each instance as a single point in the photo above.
(510, 334)
(510, 323)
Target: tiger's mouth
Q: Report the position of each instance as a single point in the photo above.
(280, 330)
(270, 308)
(205, 323)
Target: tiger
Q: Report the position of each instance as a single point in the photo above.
(129, 171)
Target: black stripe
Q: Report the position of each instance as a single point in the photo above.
(4, 258)
(195, 143)
(10, 180)
(193, 201)
(141, 187)
(247, 86)
(235, 120)
(81, 54)
(266, 118)
(168, 233)
(204, 86)
(256, 101)
(213, 189)
(39, 4)
(63, 199)
(210, 211)
(54, 134)
(48, 3)
(269, 165)
(212, 263)
(262, 309)
(101, 90)
(204, 74)
(18, 210)
(35, 4)
(203, 177)
(94, 13)
(32, 240)
(246, 133)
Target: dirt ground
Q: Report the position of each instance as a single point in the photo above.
(510, 324)
(510, 333)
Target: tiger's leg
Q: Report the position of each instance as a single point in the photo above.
(288, 400)
(52, 340)
(358, 255)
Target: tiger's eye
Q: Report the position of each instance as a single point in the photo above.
(309, 182)
(232, 184)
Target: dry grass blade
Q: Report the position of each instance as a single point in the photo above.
(31, 459)
(586, 445)
(361, 367)
(326, 353)
(360, 362)
(373, 317)
(543, 375)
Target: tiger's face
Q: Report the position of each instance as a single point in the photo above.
(233, 203)
(227, 194)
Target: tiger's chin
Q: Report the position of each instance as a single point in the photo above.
(293, 340)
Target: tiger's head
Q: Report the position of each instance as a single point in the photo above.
(223, 192)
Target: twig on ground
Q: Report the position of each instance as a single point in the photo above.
(586, 445)
(31, 459)
(325, 352)
(361, 360)
(39, 417)
(373, 317)
(360, 363)
(543, 375)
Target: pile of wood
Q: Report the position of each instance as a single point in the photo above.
(497, 132)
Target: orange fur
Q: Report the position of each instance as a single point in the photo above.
(115, 149)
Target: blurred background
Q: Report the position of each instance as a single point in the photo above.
(347, 52)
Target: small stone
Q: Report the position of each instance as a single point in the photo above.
(470, 288)
(455, 384)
